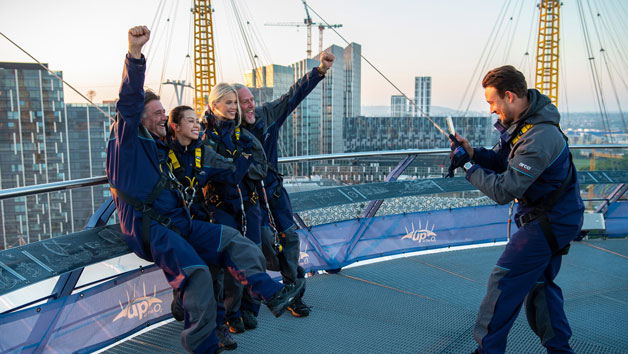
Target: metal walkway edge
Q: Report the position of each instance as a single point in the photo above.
(428, 304)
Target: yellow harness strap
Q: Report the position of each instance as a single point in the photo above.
(174, 162)
(197, 157)
(523, 130)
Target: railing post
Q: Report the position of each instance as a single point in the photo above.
(373, 206)
(102, 215)
(614, 196)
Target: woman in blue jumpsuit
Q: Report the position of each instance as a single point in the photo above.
(194, 164)
(236, 206)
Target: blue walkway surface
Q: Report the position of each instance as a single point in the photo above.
(428, 304)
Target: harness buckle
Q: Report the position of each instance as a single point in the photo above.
(526, 218)
(254, 198)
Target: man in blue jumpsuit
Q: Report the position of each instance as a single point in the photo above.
(531, 163)
(265, 123)
(156, 225)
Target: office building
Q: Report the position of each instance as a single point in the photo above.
(88, 132)
(33, 150)
(398, 106)
(315, 127)
(422, 95)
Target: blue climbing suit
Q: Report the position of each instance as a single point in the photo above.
(225, 201)
(532, 163)
(197, 164)
(158, 228)
(268, 121)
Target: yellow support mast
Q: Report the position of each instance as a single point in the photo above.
(547, 49)
(204, 57)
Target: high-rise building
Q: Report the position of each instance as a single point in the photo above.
(88, 132)
(315, 127)
(302, 131)
(334, 103)
(353, 73)
(422, 94)
(33, 150)
(398, 106)
(47, 141)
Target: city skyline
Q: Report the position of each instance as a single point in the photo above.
(403, 39)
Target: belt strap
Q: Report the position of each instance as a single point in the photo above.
(540, 213)
(148, 214)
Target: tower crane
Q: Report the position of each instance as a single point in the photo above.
(204, 56)
(547, 49)
(307, 22)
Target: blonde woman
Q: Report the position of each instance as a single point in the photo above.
(236, 206)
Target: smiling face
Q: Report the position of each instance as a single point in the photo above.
(226, 107)
(504, 107)
(188, 128)
(154, 118)
(247, 104)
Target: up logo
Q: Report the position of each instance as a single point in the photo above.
(141, 306)
(420, 235)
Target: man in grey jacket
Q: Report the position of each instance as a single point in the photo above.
(531, 164)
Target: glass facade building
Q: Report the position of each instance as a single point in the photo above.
(45, 141)
(396, 133)
(33, 150)
(315, 127)
(88, 132)
(398, 106)
(422, 94)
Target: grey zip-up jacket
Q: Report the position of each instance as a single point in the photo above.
(531, 158)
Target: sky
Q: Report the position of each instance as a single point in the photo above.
(447, 40)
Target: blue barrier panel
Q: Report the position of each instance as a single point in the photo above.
(90, 319)
(617, 220)
(335, 245)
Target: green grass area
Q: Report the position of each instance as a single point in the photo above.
(581, 164)
(602, 164)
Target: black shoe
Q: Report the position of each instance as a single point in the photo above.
(176, 307)
(236, 325)
(299, 309)
(249, 319)
(283, 298)
(225, 340)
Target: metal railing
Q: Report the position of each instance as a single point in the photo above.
(93, 181)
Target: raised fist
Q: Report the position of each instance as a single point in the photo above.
(327, 59)
(138, 36)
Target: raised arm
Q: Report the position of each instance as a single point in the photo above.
(278, 110)
(131, 103)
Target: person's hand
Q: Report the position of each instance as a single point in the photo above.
(138, 36)
(327, 60)
(464, 143)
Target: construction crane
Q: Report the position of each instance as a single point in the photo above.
(547, 49)
(307, 22)
(204, 56)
